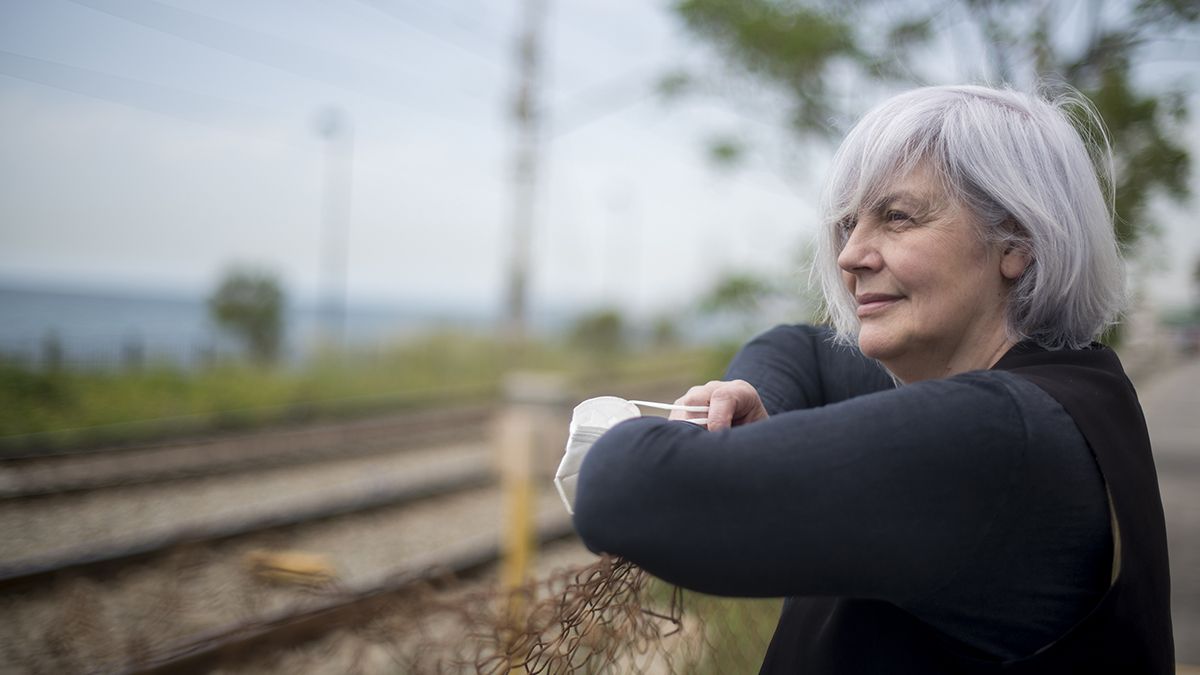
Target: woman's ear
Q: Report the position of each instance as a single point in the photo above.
(1014, 261)
(1015, 258)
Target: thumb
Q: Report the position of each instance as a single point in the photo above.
(722, 408)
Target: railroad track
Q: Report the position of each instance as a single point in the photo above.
(111, 438)
(382, 523)
(36, 476)
(353, 606)
(123, 537)
(104, 558)
(440, 525)
(33, 475)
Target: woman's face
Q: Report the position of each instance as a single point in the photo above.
(931, 294)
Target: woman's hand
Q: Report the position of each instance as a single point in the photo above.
(730, 404)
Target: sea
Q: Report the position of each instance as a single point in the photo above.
(114, 329)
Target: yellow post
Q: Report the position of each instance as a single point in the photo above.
(531, 403)
(516, 479)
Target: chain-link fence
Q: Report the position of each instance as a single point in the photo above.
(607, 616)
(578, 614)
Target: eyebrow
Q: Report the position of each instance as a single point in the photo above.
(887, 199)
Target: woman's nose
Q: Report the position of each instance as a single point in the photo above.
(859, 254)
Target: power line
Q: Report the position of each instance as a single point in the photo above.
(601, 100)
(172, 102)
(263, 48)
(463, 47)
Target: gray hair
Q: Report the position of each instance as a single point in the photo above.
(1017, 163)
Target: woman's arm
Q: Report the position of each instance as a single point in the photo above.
(880, 496)
(972, 502)
(797, 367)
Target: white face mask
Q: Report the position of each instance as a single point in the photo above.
(590, 420)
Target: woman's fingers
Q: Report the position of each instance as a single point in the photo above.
(698, 395)
(734, 403)
(729, 404)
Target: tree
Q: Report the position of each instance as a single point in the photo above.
(737, 299)
(749, 301)
(600, 333)
(664, 332)
(810, 56)
(249, 304)
(736, 293)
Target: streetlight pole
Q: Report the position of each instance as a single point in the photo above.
(527, 114)
(334, 126)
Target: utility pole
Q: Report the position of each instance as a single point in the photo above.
(620, 252)
(334, 126)
(526, 113)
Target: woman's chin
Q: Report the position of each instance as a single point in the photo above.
(876, 344)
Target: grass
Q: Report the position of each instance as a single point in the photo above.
(720, 634)
(45, 410)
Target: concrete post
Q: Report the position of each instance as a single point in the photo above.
(533, 402)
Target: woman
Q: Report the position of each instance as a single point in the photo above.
(989, 501)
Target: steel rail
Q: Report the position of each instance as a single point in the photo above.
(402, 437)
(116, 437)
(187, 430)
(238, 642)
(11, 451)
(333, 442)
(100, 560)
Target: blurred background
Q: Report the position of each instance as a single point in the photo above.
(379, 168)
(221, 217)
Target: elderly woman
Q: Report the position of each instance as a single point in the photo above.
(984, 501)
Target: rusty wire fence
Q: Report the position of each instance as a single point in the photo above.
(607, 616)
(585, 615)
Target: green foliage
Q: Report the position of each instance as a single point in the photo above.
(737, 299)
(754, 301)
(788, 43)
(674, 84)
(737, 293)
(1148, 158)
(738, 632)
(30, 397)
(720, 356)
(725, 151)
(719, 635)
(804, 48)
(249, 304)
(664, 333)
(1143, 126)
(55, 408)
(601, 332)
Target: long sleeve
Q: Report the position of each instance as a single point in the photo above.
(897, 495)
(796, 367)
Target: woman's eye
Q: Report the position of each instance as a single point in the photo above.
(893, 216)
(847, 224)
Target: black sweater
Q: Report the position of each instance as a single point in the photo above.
(972, 502)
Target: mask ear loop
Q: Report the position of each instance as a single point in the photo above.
(674, 406)
(594, 433)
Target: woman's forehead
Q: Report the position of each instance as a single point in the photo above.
(920, 179)
(921, 182)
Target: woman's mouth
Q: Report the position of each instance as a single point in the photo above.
(874, 303)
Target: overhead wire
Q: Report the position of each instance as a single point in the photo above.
(341, 71)
(388, 9)
(173, 102)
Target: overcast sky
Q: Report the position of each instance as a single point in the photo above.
(147, 145)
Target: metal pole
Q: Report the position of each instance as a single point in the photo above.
(527, 116)
(533, 402)
(334, 126)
